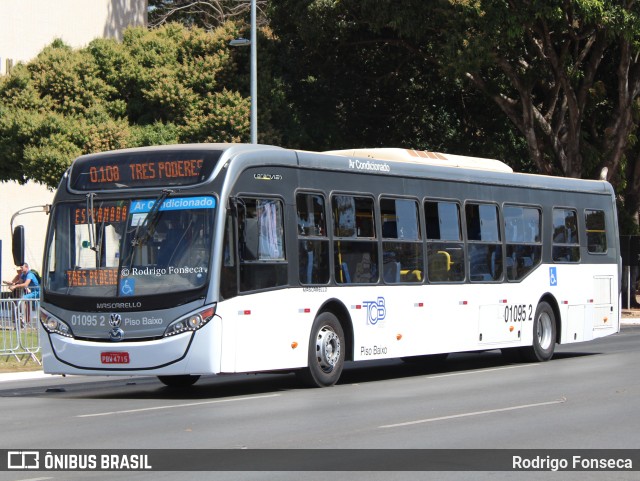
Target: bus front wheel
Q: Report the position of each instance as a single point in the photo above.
(544, 335)
(326, 352)
(178, 381)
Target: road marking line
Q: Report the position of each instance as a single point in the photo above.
(173, 406)
(35, 479)
(477, 413)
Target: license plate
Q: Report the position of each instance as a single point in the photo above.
(114, 357)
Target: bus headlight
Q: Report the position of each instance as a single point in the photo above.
(192, 322)
(54, 325)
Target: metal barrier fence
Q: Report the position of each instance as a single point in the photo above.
(19, 326)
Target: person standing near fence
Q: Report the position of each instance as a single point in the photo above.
(29, 283)
(16, 279)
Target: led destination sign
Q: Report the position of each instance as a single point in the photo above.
(92, 277)
(110, 213)
(142, 169)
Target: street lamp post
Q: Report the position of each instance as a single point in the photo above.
(254, 76)
(253, 42)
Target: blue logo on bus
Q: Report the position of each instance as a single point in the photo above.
(376, 310)
(553, 276)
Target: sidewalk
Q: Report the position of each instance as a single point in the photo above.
(630, 317)
(26, 375)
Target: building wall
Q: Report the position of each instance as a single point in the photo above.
(27, 26)
(15, 197)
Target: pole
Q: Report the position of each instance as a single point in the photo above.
(628, 271)
(254, 76)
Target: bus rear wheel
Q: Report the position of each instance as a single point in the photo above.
(544, 335)
(326, 352)
(178, 381)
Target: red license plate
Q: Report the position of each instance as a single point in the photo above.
(114, 357)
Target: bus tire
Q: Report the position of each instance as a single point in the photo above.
(326, 352)
(544, 335)
(178, 381)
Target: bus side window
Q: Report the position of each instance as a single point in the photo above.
(313, 243)
(522, 236)
(566, 247)
(355, 249)
(229, 274)
(445, 250)
(261, 244)
(484, 246)
(596, 231)
(401, 241)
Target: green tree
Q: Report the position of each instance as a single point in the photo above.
(548, 66)
(355, 79)
(207, 14)
(564, 73)
(171, 84)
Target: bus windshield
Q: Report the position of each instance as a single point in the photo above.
(133, 247)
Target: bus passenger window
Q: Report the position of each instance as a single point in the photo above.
(313, 243)
(355, 250)
(484, 247)
(401, 241)
(522, 236)
(566, 247)
(596, 232)
(353, 217)
(445, 250)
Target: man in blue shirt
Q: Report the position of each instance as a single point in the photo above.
(29, 283)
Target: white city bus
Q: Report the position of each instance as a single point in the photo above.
(187, 260)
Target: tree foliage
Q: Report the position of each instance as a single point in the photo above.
(564, 73)
(171, 84)
(207, 14)
(359, 76)
(547, 86)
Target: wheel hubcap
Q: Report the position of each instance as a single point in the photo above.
(544, 331)
(327, 348)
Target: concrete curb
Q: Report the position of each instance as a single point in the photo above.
(26, 375)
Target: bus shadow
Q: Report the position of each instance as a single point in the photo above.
(455, 363)
(234, 385)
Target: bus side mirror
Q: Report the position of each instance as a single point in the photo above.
(18, 245)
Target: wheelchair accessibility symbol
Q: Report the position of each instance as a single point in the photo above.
(553, 276)
(127, 287)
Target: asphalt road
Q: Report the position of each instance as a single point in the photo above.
(587, 397)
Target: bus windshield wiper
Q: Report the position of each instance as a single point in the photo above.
(91, 223)
(145, 230)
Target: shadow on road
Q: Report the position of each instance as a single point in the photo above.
(228, 386)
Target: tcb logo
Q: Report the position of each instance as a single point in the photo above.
(376, 310)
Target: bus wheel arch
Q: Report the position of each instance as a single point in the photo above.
(339, 310)
(330, 345)
(546, 329)
(551, 300)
